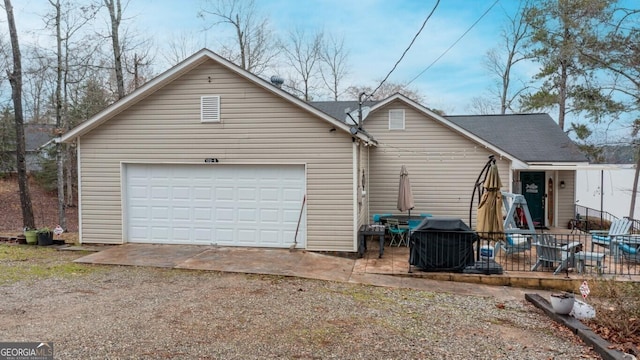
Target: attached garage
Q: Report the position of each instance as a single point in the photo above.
(228, 205)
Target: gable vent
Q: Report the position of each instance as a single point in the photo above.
(210, 109)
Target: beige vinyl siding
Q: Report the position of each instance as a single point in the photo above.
(363, 202)
(256, 127)
(443, 165)
(566, 197)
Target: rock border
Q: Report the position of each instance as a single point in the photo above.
(601, 346)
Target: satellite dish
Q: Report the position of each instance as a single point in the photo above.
(352, 116)
(365, 111)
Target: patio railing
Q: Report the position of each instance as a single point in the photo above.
(543, 252)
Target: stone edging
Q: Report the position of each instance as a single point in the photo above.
(601, 346)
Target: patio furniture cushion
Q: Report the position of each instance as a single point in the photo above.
(376, 217)
(626, 248)
(513, 239)
(602, 238)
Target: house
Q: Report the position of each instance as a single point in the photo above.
(37, 138)
(207, 153)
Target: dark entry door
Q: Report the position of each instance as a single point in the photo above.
(534, 192)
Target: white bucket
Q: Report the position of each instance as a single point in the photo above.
(486, 252)
(562, 303)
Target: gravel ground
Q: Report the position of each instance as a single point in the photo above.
(150, 313)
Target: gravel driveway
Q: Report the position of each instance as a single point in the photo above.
(150, 313)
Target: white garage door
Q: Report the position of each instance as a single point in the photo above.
(229, 205)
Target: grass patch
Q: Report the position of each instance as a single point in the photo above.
(28, 263)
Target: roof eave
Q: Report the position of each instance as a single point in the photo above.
(556, 166)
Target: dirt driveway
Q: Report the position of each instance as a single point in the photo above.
(120, 312)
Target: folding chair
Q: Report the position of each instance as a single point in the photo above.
(398, 234)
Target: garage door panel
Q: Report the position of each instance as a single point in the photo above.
(268, 237)
(160, 213)
(202, 214)
(247, 237)
(245, 205)
(201, 234)
(224, 235)
(182, 234)
(269, 216)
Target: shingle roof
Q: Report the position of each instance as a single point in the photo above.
(338, 109)
(36, 135)
(529, 137)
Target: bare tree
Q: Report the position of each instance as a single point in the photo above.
(387, 89)
(62, 219)
(15, 79)
(255, 46)
(66, 24)
(501, 60)
(302, 54)
(483, 105)
(334, 65)
(115, 14)
(180, 46)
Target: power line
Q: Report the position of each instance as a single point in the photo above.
(454, 43)
(406, 50)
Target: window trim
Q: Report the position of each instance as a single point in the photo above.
(397, 111)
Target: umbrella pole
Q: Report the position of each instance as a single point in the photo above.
(485, 171)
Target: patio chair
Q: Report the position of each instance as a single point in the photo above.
(398, 234)
(605, 237)
(513, 244)
(630, 254)
(549, 253)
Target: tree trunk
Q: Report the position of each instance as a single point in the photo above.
(62, 219)
(634, 191)
(15, 78)
(115, 13)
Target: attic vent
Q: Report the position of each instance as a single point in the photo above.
(396, 119)
(210, 109)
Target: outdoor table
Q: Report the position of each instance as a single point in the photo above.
(402, 219)
(370, 230)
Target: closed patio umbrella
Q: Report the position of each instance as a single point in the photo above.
(405, 195)
(489, 220)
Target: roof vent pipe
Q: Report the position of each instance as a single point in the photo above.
(277, 81)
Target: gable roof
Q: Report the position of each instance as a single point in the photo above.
(524, 138)
(529, 137)
(375, 105)
(180, 69)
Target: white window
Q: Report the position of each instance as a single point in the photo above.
(396, 119)
(210, 109)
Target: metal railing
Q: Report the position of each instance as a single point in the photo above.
(555, 253)
(588, 219)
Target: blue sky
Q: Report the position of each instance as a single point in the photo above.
(376, 32)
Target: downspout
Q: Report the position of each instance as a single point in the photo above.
(79, 170)
(355, 193)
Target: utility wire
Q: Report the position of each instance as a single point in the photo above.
(454, 43)
(406, 50)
